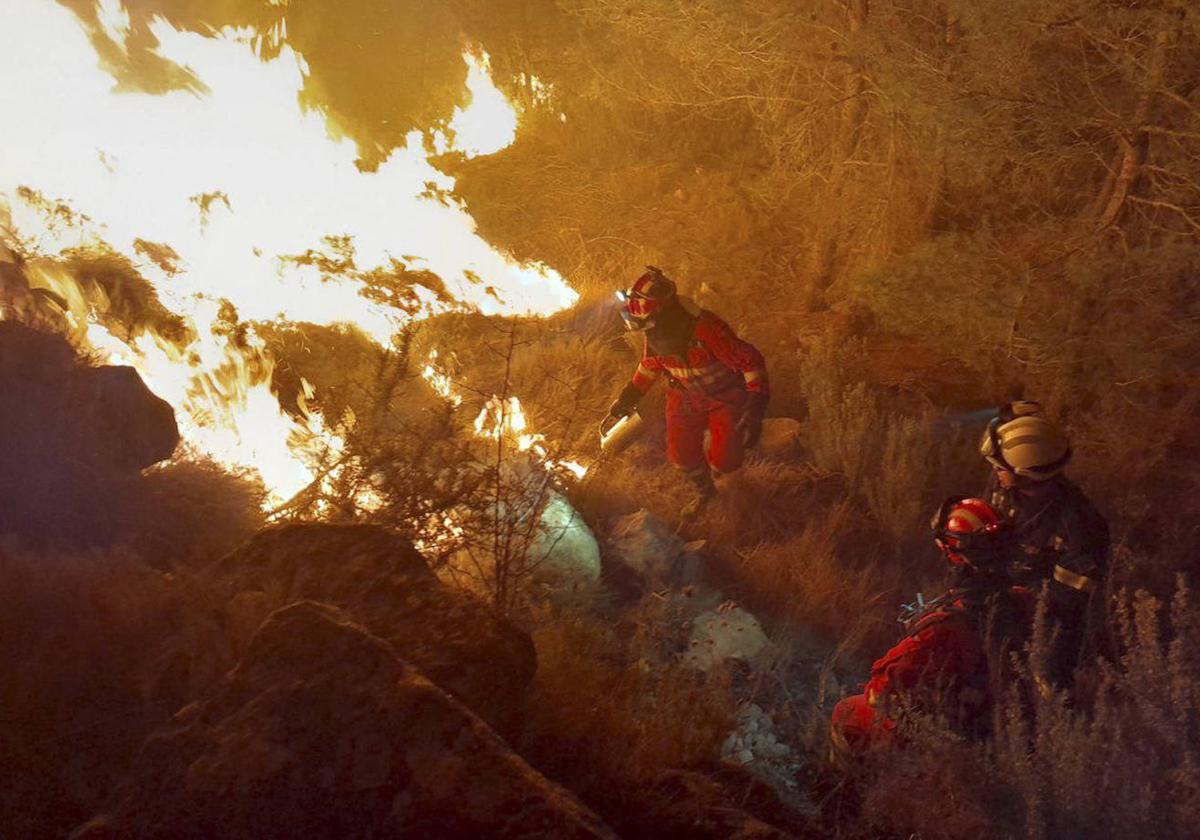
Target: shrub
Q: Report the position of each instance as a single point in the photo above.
(191, 510)
(1123, 759)
(84, 644)
(1119, 757)
(899, 462)
(606, 713)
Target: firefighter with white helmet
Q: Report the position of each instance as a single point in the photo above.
(1062, 539)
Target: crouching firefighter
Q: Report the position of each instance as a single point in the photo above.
(951, 658)
(718, 382)
(1062, 540)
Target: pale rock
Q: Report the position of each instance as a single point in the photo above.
(561, 555)
(727, 632)
(565, 549)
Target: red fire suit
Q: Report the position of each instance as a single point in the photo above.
(709, 390)
(940, 668)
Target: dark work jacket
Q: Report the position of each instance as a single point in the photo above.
(1062, 541)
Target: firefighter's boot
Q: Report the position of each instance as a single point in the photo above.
(702, 484)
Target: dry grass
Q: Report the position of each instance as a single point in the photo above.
(606, 714)
(814, 580)
(83, 639)
(92, 644)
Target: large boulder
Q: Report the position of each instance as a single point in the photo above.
(58, 409)
(383, 583)
(322, 731)
(134, 427)
(71, 436)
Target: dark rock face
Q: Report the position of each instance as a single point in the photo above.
(69, 434)
(322, 731)
(381, 581)
(138, 426)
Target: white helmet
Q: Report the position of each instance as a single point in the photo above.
(1026, 444)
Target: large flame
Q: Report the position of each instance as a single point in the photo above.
(233, 176)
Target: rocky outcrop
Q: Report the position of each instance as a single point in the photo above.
(129, 427)
(384, 584)
(104, 418)
(69, 435)
(323, 731)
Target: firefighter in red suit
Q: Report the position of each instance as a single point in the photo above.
(956, 648)
(718, 382)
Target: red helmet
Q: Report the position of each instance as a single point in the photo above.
(647, 297)
(967, 531)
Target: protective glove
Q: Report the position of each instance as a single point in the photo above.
(750, 423)
(623, 406)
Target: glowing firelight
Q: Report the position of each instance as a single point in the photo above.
(440, 382)
(502, 418)
(232, 178)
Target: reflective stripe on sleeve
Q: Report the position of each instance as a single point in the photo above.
(1068, 578)
(756, 380)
